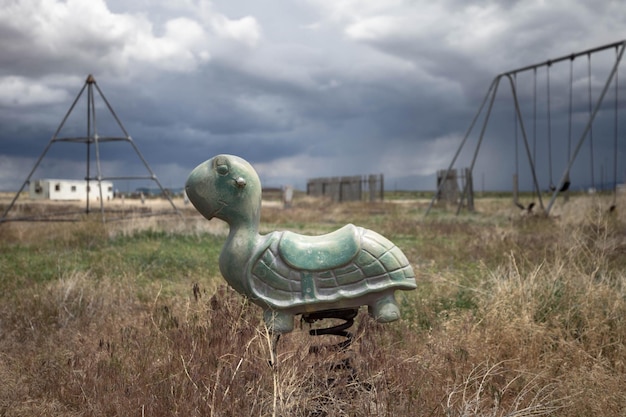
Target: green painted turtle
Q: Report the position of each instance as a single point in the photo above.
(288, 274)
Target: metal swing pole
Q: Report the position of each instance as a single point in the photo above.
(567, 182)
(591, 158)
(516, 175)
(88, 139)
(615, 137)
(549, 119)
(534, 157)
(523, 131)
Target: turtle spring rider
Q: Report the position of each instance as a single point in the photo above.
(289, 274)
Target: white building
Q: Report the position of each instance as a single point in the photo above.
(52, 189)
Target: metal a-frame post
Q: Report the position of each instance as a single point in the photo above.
(92, 137)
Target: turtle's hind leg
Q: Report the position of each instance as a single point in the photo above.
(385, 309)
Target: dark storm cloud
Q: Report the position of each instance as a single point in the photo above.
(302, 89)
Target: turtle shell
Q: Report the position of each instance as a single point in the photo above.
(377, 265)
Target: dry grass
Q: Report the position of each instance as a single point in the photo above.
(514, 316)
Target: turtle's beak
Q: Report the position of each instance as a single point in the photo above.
(200, 190)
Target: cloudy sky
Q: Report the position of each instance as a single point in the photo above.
(301, 88)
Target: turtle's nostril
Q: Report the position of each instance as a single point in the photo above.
(241, 182)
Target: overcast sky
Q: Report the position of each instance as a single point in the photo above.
(300, 88)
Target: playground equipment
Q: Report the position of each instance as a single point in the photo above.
(91, 138)
(573, 149)
(288, 274)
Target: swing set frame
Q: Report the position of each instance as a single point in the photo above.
(490, 96)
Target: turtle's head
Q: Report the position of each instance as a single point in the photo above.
(226, 187)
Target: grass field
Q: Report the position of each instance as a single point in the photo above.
(514, 315)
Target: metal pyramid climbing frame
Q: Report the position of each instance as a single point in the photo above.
(92, 138)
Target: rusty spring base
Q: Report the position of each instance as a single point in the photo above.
(345, 364)
(347, 315)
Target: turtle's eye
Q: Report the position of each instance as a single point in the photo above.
(222, 169)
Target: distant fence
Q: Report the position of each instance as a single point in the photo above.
(352, 188)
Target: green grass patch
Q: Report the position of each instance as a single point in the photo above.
(147, 257)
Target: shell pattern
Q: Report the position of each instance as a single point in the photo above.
(377, 266)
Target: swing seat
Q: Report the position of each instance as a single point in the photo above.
(563, 188)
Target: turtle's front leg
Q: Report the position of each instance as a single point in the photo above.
(277, 323)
